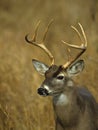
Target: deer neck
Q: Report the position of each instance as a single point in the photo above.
(66, 96)
(64, 105)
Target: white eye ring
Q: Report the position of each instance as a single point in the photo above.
(60, 76)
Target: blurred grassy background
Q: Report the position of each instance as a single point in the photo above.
(20, 106)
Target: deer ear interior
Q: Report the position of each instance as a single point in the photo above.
(75, 68)
(40, 66)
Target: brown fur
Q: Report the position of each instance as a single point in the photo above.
(79, 114)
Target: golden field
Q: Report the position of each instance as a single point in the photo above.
(21, 108)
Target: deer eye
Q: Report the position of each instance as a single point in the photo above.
(60, 76)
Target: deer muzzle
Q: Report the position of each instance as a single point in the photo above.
(42, 92)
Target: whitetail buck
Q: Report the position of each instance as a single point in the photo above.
(75, 108)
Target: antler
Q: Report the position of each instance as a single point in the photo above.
(41, 44)
(82, 47)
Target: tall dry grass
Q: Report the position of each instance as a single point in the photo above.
(20, 106)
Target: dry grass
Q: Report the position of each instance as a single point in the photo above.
(20, 106)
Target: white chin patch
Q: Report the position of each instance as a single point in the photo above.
(63, 100)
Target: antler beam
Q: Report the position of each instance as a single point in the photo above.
(82, 47)
(41, 44)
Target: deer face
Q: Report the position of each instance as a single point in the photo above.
(57, 79)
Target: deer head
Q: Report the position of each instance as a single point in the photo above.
(58, 78)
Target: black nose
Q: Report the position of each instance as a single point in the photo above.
(42, 91)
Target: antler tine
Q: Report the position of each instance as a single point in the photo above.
(46, 31)
(78, 33)
(36, 30)
(83, 33)
(41, 44)
(82, 47)
(33, 41)
(68, 53)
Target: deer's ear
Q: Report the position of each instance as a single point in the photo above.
(40, 66)
(75, 68)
